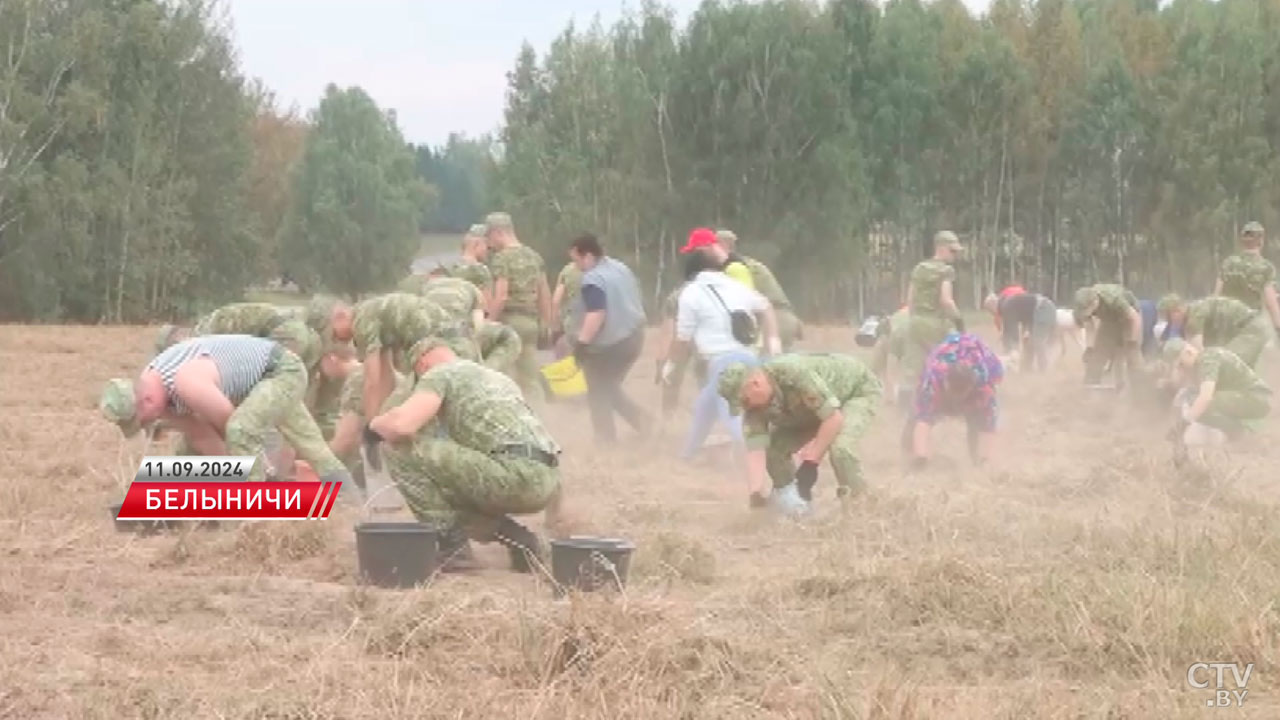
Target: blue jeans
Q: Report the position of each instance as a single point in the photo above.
(708, 405)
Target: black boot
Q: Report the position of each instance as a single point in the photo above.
(455, 552)
(522, 544)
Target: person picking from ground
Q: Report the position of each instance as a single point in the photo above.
(568, 285)
(1226, 397)
(1029, 323)
(671, 378)
(721, 319)
(801, 407)
(495, 460)
(1250, 278)
(959, 380)
(458, 297)
(1114, 326)
(1221, 321)
(499, 347)
(521, 297)
(790, 329)
(339, 369)
(224, 393)
(1172, 310)
(891, 336)
(264, 320)
(931, 304)
(609, 316)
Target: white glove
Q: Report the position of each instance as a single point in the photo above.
(1186, 414)
(775, 346)
(668, 368)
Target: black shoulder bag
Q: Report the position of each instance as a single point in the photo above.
(741, 322)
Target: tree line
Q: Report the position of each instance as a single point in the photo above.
(143, 176)
(1066, 141)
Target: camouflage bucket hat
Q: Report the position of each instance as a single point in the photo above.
(730, 386)
(726, 236)
(478, 230)
(1252, 228)
(117, 405)
(1171, 301)
(1085, 297)
(947, 239)
(461, 346)
(1172, 350)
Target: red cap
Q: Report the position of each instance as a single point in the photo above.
(699, 238)
(1012, 290)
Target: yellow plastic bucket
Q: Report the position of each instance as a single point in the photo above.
(564, 377)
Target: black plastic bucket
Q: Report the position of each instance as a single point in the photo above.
(590, 563)
(396, 554)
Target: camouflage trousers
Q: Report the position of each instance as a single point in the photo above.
(843, 453)
(449, 485)
(1233, 411)
(276, 402)
(526, 366)
(788, 328)
(894, 346)
(503, 353)
(924, 333)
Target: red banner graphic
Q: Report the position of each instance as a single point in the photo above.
(228, 500)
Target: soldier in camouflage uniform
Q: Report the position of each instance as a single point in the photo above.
(262, 320)
(497, 459)
(568, 285)
(471, 267)
(458, 297)
(932, 309)
(1116, 341)
(816, 404)
(339, 371)
(1250, 278)
(1220, 321)
(383, 329)
(1224, 394)
(790, 328)
(521, 298)
(263, 382)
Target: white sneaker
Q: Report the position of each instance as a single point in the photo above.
(1200, 435)
(787, 501)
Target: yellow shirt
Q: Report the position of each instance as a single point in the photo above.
(740, 272)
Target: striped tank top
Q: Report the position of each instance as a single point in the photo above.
(241, 360)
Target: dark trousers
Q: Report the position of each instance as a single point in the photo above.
(605, 369)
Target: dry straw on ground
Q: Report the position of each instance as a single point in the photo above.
(1077, 578)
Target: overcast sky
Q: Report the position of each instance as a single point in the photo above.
(440, 64)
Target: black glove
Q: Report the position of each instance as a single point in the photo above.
(371, 441)
(805, 478)
(579, 350)
(959, 324)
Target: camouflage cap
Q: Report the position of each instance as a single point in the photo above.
(497, 221)
(118, 405)
(320, 311)
(477, 230)
(1171, 301)
(461, 346)
(947, 239)
(730, 386)
(726, 236)
(1172, 350)
(1084, 298)
(1252, 228)
(165, 337)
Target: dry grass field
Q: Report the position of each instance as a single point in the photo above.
(1077, 578)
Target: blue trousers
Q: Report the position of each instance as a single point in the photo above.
(708, 405)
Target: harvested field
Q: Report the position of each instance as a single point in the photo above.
(1079, 577)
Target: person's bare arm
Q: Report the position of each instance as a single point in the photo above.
(769, 322)
(200, 435)
(196, 384)
(557, 301)
(379, 379)
(499, 300)
(346, 434)
(406, 419)
(757, 472)
(1203, 400)
(817, 448)
(666, 338)
(1135, 325)
(947, 301)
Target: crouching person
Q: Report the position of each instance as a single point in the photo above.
(224, 393)
(494, 460)
(959, 380)
(807, 406)
(1224, 397)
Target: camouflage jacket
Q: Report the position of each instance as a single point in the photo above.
(1244, 276)
(926, 287)
(807, 389)
(457, 296)
(1228, 371)
(524, 270)
(766, 284)
(483, 409)
(1218, 318)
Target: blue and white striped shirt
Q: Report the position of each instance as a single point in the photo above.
(241, 360)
